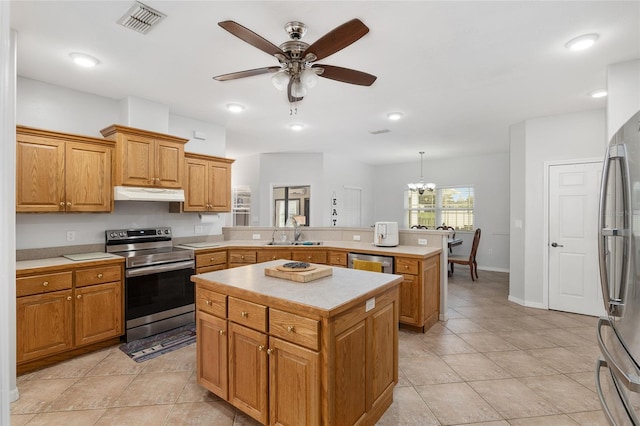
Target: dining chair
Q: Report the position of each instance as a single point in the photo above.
(471, 260)
(450, 228)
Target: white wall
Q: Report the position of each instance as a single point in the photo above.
(575, 136)
(324, 173)
(488, 174)
(57, 108)
(8, 42)
(518, 212)
(623, 100)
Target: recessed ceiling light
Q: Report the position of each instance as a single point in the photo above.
(84, 60)
(582, 42)
(296, 126)
(394, 116)
(599, 93)
(235, 107)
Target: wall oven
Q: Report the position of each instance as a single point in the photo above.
(159, 294)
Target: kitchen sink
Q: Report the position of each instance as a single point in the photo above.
(294, 243)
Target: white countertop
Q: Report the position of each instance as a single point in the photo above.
(60, 261)
(327, 293)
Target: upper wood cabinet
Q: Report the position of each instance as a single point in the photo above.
(207, 183)
(61, 172)
(145, 158)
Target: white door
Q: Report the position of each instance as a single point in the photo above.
(574, 280)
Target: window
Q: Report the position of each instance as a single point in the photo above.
(451, 206)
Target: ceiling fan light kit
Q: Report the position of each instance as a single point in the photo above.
(298, 71)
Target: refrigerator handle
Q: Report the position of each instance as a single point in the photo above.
(600, 364)
(614, 153)
(630, 381)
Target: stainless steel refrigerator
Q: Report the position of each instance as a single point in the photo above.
(618, 369)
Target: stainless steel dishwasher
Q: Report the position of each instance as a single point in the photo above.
(386, 261)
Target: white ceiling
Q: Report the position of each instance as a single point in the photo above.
(461, 72)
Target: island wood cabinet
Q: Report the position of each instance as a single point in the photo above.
(419, 291)
(62, 310)
(266, 359)
(207, 183)
(61, 172)
(145, 158)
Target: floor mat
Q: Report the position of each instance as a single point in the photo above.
(150, 347)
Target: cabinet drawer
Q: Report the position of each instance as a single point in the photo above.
(309, 256)
(100, 275)
(211, 259)
(294, 328)
(248, 314)
(267, 255)
(38, 284)
(211, 302)
(242, 256)
(337, 258)
(407, 266)
(211, 268)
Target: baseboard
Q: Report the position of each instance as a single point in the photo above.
(526, 303)
(492, 269)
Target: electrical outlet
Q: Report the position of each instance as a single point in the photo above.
(71, 235)
(370, 304)
(198, 229)
(356, 238)
(422, 241)
(256, 236)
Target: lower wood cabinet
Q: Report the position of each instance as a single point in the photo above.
(211, 261)
(273, 371)
(419, 291)
(51, 320)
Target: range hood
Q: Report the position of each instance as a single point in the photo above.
(132, 193)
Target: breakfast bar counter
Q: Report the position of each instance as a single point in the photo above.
(323, 352)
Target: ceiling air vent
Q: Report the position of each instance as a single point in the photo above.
(377, 132)
(141, 18)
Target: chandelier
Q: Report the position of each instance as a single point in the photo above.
(421, 186)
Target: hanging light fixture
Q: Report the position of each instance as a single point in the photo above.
(420, 187)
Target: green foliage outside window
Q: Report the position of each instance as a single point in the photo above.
(450, 206)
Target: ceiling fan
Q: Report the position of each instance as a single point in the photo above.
(298, 70)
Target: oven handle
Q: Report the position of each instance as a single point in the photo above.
(156, 269)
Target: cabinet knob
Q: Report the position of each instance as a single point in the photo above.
(99, 275)
(79, 296)
(61, 203)
(406, 266)
(211, 260)
(309, 257)
(207, 302)
(244, 314)
(68, 297)
(68, 203)
(273, 258)
(46, 283)
(242, 257)
(222, 332)
(270, 351)
(261, 348)
(291, 329)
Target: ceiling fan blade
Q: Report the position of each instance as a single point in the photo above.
(346, 75)
(337, 39)
(252, 38)
(247, 73)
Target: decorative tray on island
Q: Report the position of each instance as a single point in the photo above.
(301, 272)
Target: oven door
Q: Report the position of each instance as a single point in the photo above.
(154, 289)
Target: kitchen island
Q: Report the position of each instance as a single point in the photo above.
(324, 352)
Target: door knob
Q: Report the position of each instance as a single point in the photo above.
(556, 245)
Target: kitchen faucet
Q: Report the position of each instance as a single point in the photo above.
(273, 236)
(296, 229)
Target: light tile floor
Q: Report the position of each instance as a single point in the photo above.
(493, 363)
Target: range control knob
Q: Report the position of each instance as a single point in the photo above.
(123, 234)
(167, 231)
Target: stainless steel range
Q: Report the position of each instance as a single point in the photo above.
(159, 294)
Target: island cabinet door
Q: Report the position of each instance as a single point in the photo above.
(294, 384)
(248, 371)
(350, 374)
(410, 300)
(211, 353)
